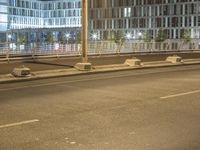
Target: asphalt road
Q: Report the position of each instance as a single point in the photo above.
(68, 62)
(151, 109)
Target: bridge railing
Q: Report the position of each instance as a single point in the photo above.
(11, 49)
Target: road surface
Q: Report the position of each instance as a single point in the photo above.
(148, 109)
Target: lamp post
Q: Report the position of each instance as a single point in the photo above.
(84, 65)
(94, 37)
(84, 30)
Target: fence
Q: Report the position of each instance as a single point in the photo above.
(94, 48)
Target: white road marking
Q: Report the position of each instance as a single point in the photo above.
(180, 94)
(18, 123)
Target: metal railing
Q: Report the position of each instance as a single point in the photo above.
(94, 48)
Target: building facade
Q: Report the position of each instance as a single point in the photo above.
(44, 14)
(136, 18)
(25, 16)
(139, 17)
(3, 19)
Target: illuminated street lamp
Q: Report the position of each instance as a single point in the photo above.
(140, 34)
(128, 36)
(9, 36)
(94, 36)
(67, 35)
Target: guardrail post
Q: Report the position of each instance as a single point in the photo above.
(33, 51)
(8, 52)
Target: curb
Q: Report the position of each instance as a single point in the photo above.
(108, 68)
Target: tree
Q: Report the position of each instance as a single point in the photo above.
(21, 39)
(60, 38)
(161, 36)
(51, 38)
(187, 37)
(146, 37)
(111, 36)
(78, 37)
(119, 39)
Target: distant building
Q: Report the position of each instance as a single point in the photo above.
(3, 19)
(25, 16)
(44, 14)
(138, 17)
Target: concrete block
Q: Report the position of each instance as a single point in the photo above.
(133, 62)
(21, 71)
(174, 59)
(83, 66)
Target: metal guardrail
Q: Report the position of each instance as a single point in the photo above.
(10, 50)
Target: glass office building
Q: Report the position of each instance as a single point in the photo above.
(3, 19)
(44, 14)
(136, 17)
(24, 16)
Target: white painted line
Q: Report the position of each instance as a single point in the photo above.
(180, 94)
(18, 123)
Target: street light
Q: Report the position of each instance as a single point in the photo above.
(9, 36)
(84, 31)
(139, 34)
(128, 36)
(67, 37)
(84, 65)
(94, 36)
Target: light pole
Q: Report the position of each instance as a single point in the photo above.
(84, 65)
(84, 30)
(94, 37)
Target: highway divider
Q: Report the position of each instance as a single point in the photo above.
(98, 69)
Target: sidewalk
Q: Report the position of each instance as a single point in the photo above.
(7, 78)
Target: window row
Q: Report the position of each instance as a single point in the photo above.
(167, 22)
(45, 5)
(15, 21)
(159, 10)
(45, 14)
(170, 33)
(125, 3)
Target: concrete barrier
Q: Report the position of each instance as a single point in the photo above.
(174, 59)
(133, 62)
(21, 71)
(83, 66)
